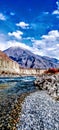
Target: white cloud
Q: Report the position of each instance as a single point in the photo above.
(2, 17)
(56, 12)
(48, 45)
(23, 25)
(13, 43)
(18, 44)
(57, 3)
(52, 35)
(29, 38)
(12, 14)
(4, 43)
(17, 34)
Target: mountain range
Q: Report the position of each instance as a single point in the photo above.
(29, 60)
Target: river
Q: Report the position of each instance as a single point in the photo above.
(15, 86)
(11, 88)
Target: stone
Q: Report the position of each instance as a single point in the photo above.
(39, 112)
(49, 83)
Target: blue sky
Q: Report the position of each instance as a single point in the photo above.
(32, 25)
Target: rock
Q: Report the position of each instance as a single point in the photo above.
(39, 82)
(7, 65)
(39, 112)
(49, 83)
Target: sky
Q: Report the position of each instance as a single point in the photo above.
(30, 24)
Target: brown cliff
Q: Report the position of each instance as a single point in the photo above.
(7, 65)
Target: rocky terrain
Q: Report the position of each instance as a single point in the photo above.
(29, 60)
(7, 65)
(50, 83)
(39, 112)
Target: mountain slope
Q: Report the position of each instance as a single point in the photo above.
(29, 60)
(7, 65)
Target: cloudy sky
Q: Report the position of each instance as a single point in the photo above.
(30, 24)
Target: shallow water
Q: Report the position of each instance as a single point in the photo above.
(12, 93)
(15, 86)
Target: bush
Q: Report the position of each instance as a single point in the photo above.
(52, 71)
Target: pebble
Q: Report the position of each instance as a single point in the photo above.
(39, 112)
(10, 109)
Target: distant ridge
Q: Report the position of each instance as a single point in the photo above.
(29, 60)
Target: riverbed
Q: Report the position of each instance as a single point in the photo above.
(12, 93)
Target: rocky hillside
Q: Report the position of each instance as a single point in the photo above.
(7, 65)
(29, 60)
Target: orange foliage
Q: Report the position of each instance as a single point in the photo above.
(52, 71)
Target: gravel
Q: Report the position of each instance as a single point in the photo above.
(39, 112)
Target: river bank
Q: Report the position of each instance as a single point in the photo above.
(28, 105)
(10, 110)
(39, 112)
(12, 93)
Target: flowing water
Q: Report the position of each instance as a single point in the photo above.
(15, 86)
